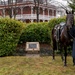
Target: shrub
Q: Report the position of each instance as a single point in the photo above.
(36, 32)
(56, 21)
(10, 31)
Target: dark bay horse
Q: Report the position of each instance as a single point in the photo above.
(61, 37)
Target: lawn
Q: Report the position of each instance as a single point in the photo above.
(22, 65)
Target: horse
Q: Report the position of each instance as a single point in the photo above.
(61, 37)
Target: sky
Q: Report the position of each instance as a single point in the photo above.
(61, 1)
(64, 2)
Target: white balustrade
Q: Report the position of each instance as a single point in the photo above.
(34, 16)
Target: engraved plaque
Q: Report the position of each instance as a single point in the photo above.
(30, 46)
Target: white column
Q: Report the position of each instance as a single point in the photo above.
(21, 12)
(12, 12)
(31, 10)
(48, 15)
(31, 13)
(48, 12)
(52, 12)
(32, 20)
(43, 14)
(3, 12)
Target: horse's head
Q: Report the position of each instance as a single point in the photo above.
(69, 19)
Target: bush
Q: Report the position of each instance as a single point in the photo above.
(10, 31)
(56, 21)
(36, 32)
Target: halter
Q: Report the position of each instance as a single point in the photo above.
(72, 36)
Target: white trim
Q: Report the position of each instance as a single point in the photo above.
(33, 16)
(32, 48)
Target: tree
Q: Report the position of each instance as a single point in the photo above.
(11, 8)
(71, 4)
(9, 4)
(37, 4)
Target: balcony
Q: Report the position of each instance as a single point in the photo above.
(34, 16)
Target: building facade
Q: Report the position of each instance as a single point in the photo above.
(60, 12)
(25, 10)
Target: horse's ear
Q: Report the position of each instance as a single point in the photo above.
(72, 11)
(66, 12)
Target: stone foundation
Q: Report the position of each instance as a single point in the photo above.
(45, 49)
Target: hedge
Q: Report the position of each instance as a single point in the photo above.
(56, 21)
(10, 31)
(36, 32)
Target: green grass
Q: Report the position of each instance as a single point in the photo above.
(21, 65)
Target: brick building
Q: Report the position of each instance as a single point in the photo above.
(26, 11)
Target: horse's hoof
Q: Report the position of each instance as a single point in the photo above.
(53, 59)
(73, 64)
(65, 65)
(62, 59)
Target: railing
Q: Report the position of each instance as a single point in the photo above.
(34, 16)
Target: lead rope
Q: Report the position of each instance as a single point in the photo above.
(72, 36)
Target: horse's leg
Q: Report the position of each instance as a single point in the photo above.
(65, 54)
(62, 55)
(54, 47)
(61, 52)
(53, 54)
(73, 61)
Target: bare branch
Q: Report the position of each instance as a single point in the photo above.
(60, 4)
